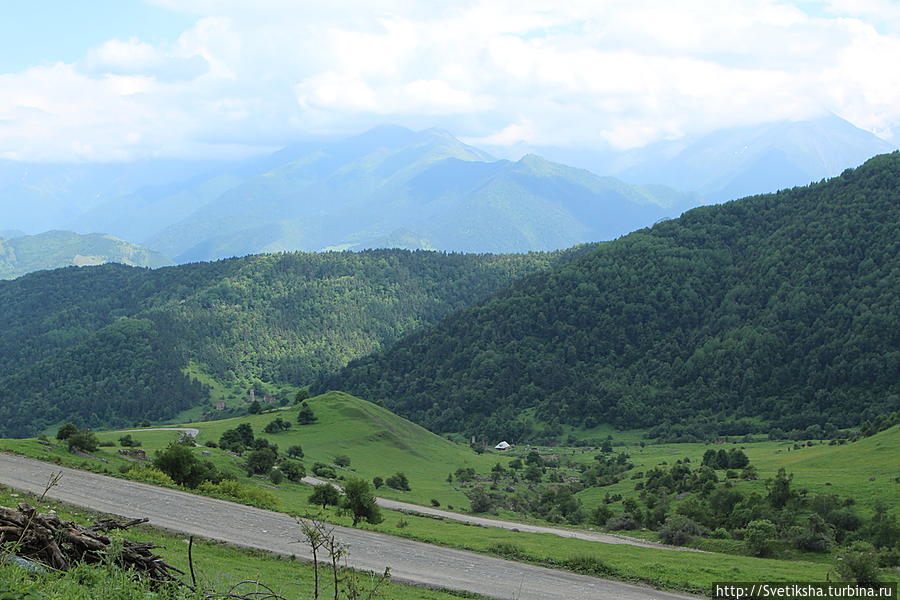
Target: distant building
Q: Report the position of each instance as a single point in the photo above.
(268, 399)
(251, 396)
(220, 406)
(502, 446)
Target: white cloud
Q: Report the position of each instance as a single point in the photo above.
(582, 73)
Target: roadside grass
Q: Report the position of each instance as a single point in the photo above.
(373, 437)
(218, 566)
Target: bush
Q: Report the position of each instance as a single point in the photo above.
(180, 463)
(435, 503)
(481, 501)
(758, 537)
(398, 481)
(276, 476)
(65, 431)
(325, 494)
(245, 494)
(859, 563)
(323, 470)
(600, 515)
(621, 522)
(149, 475)
(85, 441)
(295, 451)
(293, 470)
(126, 441)
(377, 482)
(360, 502)
(679, 530)
(342, 460)
(260, 462)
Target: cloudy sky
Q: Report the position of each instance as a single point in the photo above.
(109, 80)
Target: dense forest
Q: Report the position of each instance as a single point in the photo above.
(778, 310)
(107, 345)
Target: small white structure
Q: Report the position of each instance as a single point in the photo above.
(502, 446)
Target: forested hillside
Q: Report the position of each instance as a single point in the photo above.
(776, 310)
(107, 345)
(53, 249)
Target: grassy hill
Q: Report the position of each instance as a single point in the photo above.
(111, 345)
(772, 311)
(55, 249)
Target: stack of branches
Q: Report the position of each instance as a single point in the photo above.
(58, 544)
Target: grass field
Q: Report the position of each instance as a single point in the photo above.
(380, 443)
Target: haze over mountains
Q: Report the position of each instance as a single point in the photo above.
(393, 187)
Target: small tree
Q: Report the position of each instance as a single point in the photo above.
(398, 481)
(360, 502)
(859, 563)
(255, 408)
(65, 431)
(342, 460)
(326, 495)
(179, 463)
(306, 416)
(679, 530)
(377, 482)
(480, 500)
(85, 441)
(295, 451)
(293, 470)
(758, 536)
(301, 395)
(260, 461)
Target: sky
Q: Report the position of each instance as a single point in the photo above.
(117, 80)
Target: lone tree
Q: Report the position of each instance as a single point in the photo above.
(306, 416)
(85, 441)
(179, 463)
(360, 502)
(301, 395)
(65, 431)
(325, 494)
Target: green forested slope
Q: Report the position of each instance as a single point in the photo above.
(107, 345)
(781, 308)
(54, 249)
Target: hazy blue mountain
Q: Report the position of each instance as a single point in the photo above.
(54, 249)
(393, 187)
(743, 161)
(36, 197)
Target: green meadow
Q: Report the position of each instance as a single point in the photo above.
(380, 443)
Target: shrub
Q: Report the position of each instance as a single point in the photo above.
(482, 502)
(377, 482)
(126, 441)
(179, 463)
(325, 494)
(323, 470)
(600, 515)
(245, 494)
(65, 431)
(276, 476)
(149, 475)
(758, 537)
(293, 470)
(295, 451)
(621, 522)
(342, 460)
(435, 503)
(398, 481)
(85, 441)
(859, 563)
(679, 530)
(260, 462)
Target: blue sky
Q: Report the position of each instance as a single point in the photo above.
(117, 80)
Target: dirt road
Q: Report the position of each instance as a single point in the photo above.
(412, 562)
(579, 534)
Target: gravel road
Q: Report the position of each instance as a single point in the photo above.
(411, 562)
(580, 534)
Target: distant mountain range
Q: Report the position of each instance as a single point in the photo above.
(389, 187)
(393, 187)
(26, 253)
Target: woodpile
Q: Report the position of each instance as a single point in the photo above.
(58, 544)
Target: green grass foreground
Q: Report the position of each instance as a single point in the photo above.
(218, 567)
(381, 443)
